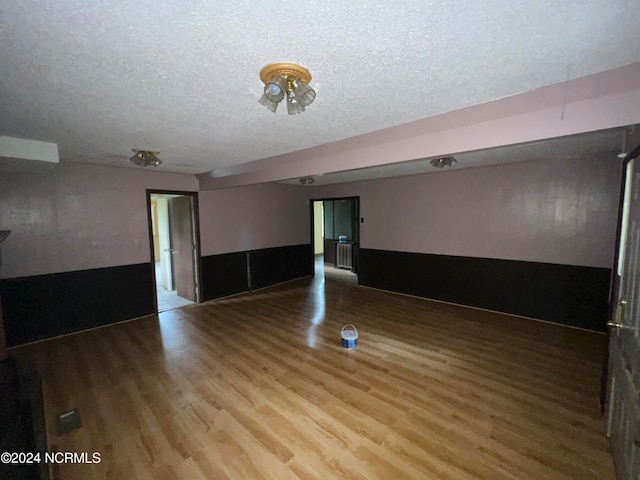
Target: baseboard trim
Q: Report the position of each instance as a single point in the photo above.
(248, 292)
(99, 327)
(513, 315)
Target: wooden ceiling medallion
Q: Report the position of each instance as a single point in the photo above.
(286, 69)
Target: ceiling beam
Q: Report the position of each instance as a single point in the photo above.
(596, 102)
(18, 154)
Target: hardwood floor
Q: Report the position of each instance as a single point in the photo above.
(258, 387)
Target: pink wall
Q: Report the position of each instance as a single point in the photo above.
(85, 216)
(78, 217)
(554, 212)
(253, 217)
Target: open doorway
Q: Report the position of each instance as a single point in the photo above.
(175, 248)
(335, 227)
(318, 231)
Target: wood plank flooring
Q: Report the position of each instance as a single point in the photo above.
(258, 387)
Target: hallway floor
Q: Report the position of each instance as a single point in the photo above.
(168, 299)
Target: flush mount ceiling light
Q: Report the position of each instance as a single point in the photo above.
(443, 162)
(145, 158)
(286, 80)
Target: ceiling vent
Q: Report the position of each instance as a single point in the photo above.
(19, 155)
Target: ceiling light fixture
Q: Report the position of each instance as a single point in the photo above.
(443, 162)
(145, 158)
(286, 80)
(307, 181)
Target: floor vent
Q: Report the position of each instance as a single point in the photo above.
(68, 421)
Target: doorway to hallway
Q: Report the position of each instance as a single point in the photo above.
(175, 249)
(318, 234)
(335, 231)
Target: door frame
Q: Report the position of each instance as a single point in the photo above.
(312, 225)
(196, 221)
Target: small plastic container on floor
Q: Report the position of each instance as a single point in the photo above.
(349, 337)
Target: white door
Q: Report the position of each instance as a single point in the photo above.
(624, 347)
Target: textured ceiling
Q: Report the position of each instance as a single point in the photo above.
(101, 77)
(556, 149)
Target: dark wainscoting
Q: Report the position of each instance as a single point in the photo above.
(566, 294)
(226, 274)
(44, 306)
(274, 265)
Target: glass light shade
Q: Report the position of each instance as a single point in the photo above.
(146, 159)
(274, 90)
(264, 100)
(138, 159)
(152, 160)
(293, 106)
(304, 93)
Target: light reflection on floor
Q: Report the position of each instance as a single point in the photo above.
(173, 332)
(318, 301)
